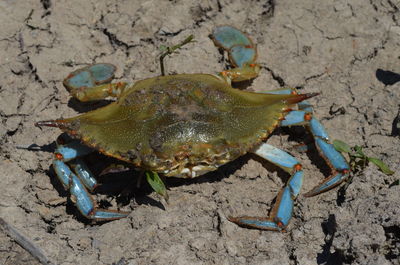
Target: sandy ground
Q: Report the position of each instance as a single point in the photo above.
(348, 51)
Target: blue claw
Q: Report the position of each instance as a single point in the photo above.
(241, 49)
(226, 37)
(242, 55)
(102, 72)
(90, 76)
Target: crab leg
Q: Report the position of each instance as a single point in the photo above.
(335, 160)
(93, 82)
(84, 174)
(241, 50)
(81, 181)
(283, 208)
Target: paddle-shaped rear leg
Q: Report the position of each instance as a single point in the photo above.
(241, 50)
(283, 208)
(79, 181)
(93, 82)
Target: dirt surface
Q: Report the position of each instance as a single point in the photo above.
(348, 51)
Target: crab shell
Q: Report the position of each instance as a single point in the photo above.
(181, 125)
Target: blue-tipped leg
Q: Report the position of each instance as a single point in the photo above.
(84, 174)
(334, 158)
(294, 117)
(283, 209)
(338, 164)
(79, 181)
(277, 157)
(329, 183)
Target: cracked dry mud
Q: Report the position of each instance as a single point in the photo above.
(349, 51)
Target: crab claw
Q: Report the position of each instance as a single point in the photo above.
(241, 50)
(90, 76)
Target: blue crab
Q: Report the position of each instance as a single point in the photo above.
(186, 125)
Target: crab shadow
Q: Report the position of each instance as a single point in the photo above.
(82, 107)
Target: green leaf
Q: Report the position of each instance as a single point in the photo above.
(382, 166)
(157, 184)
(359, 151)
(341, 146)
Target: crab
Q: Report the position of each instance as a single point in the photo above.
(186, 125)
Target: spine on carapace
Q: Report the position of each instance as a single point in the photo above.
(300, 97)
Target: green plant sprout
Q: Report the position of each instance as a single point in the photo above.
(157, 184)
(359, 161)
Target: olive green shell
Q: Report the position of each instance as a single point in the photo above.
(170, 123)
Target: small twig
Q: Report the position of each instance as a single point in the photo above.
(171, 50)
(24, 242)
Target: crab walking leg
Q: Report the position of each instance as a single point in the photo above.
(84, 174)
(283, 208)
(76, 183)
(334, 159)
(72, 151)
